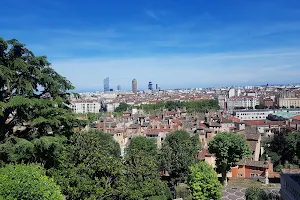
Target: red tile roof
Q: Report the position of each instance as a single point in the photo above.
(201, 154)
(234, 119)
(263, 122)
(296, 117)
(202, 125)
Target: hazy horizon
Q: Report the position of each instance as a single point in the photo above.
(175, 44)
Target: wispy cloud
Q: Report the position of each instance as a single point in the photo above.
(152, 14)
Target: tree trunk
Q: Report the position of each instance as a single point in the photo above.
(2, 128)
(224, 177)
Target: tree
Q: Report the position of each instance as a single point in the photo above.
(256, 193)
(92, 117)
(172, 105)
(122, 107)
(260, 106)
(279, 148)
(90, 167)
(178, 152)
(33, 98)
(28, 182)
(203, 182)
(45, 150)
(229, 148)
(293, 145)
(142, 174)
(142, 144)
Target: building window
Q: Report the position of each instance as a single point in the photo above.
(254, 175)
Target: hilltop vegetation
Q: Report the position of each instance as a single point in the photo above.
(203, 105)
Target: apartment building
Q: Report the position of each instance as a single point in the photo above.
(289, 102)
(252, 114)
(242, 101)
(85, 106)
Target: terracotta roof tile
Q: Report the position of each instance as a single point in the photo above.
(297, 117)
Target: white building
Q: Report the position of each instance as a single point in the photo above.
(232, 92)
(86, 106)
(112, 106)
(242, 101)
(252, 114)
(261, 114)
(239, 92)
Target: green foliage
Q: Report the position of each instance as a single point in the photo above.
(282, 148)
(182, 191)
(201, 105)
(162, 197)
(203, 182)
(122, 107)
(256, 193)
(178, 152)
(191, 106)
(33, 103)
(229, 148)
(142, 174)
(92, 117)
(90, 167)
(140, 144)
(293, 144)
(45, 150)
(260, 106)
(27, 182)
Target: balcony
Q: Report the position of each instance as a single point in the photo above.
(290, 186)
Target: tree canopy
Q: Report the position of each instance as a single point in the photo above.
(282, 148)
(178, 152)
(34, 104)
(229, 148)
(28, 182)
(140, 144)
(122, 107)
(191, 106)
(293, 144)
(142, 174)
(32, 94)
(203, 182)
(90, 167)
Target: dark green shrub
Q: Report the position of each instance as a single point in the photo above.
(256, 193)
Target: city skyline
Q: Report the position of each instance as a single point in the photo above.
(202, 43)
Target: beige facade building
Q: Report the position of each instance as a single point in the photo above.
(289, 102)
(242, 101)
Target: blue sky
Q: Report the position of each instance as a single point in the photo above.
(174, 43)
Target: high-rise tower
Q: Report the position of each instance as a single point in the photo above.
(150, 87)
(118, 87)
(134, 86)
(106, 84)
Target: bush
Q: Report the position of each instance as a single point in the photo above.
(256, 193)
(27, 182)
